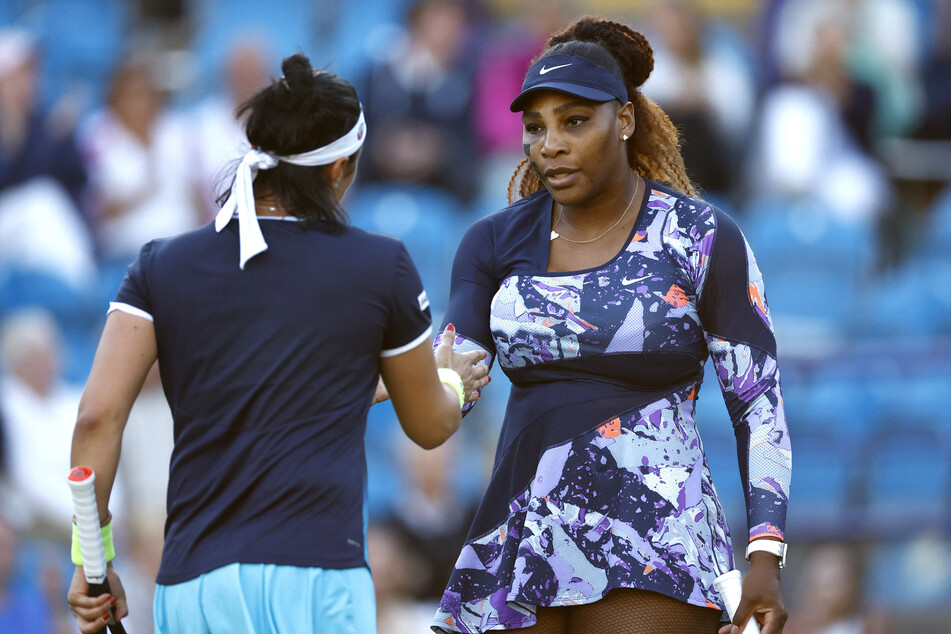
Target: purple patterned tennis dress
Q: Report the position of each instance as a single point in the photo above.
(600, 479)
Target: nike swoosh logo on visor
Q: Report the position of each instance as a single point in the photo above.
(548, 70)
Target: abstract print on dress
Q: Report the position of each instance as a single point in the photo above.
(600, 479)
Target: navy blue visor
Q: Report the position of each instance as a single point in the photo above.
(573, 75)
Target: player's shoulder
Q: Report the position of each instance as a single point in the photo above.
(512, 223)
(370, 243)
(689, 217)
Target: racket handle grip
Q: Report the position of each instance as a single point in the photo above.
(97, 589)
(82, 482)
(730, 587)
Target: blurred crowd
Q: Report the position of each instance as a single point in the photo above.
(823, 126)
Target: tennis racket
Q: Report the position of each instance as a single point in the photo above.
(81, 482)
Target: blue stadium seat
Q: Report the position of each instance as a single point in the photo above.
(425, 219)
(836, 401)
(823, 488)
(907, 478)
(81, 43)
(938, 232)
(911, 302)
(8, 13)
(812, 264)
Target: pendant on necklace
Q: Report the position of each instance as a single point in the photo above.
(554, 234)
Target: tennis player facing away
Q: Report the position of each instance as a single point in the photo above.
(271, 327)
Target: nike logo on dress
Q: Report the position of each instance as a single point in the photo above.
(628, 280)
(548, 70)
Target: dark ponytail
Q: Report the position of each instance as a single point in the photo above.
(302, 111)
(654, 148)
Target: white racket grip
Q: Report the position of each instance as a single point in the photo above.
(730, 587)
(82, 483)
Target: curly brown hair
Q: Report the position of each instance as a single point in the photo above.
(654, 148)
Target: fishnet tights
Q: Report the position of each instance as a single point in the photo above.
(628, 611)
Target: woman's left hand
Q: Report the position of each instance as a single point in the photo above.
(762, 597)
(92, 613)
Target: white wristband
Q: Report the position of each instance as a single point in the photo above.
(451, 378)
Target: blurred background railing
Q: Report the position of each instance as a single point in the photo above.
(822, 126)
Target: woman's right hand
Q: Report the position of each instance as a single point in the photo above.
(92, 613)
(473, 376)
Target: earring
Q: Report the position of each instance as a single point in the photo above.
(624, 137)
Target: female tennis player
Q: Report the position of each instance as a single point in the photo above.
(602, 291)
(271, 327)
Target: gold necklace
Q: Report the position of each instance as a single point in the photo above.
(555, 234)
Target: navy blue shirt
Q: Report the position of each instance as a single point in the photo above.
(269, 372)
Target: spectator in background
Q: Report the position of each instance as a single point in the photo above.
(39, 411)
(936, 77)
(815, 125)
(430, 517)
(218, 136)
(396, 583)
(24, 607)
(502, 65)
(707, 90)
(880, 42)
(829, 597)
(33, 144)
(41, 173)
(140, 166)
(418, 105)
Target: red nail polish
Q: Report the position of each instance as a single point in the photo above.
(490, 379)
(113, 601)
(105, 617)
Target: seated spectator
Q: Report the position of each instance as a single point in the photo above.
(809, 141)
(706, 89)
(140, 166)
(24, 604)
(936, 78)
(218, 136)
(829, 597)
(32, 143)
(41, 174)
(503, 59)
(418, 105)
(431, 518)
(39, 412)
(396, 580)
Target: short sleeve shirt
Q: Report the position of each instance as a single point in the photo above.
(269, 372)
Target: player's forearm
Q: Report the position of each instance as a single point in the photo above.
(97, 444)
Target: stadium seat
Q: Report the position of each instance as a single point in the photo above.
(812, 265)
(823, 486)
(911, 302)
(938, 232)
(81, 42)
(907, 475)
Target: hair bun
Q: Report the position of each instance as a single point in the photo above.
(298, 73)
(627, 45)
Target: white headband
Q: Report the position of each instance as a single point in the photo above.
(250, 238)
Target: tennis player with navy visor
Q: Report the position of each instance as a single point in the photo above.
(271, 328)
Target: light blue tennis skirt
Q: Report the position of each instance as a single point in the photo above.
(264, 598)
